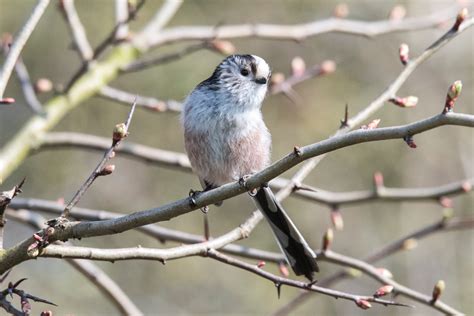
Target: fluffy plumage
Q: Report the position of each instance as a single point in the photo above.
(226, 139)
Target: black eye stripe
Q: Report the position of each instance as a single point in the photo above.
(253, 66)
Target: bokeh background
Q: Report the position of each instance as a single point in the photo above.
(365, 66)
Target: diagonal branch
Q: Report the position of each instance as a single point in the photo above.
(165, 158)
(19, 253)
(120, 132)
(20, 42)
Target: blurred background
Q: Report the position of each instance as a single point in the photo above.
(365, 66)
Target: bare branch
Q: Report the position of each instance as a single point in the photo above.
(381, 253)
(5, 199)
(77, 30)
(298, 32)
(19, 43)
(120, 132)
(144, 102)
(279, 281)
(19, 252)
(100, 279)
(121, 14)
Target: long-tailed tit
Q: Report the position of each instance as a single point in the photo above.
(226, 139)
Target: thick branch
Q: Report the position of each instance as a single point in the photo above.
(18, 253)
(181, 162)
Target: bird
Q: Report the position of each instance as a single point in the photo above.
(227, 140)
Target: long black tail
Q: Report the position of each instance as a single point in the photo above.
(299, 255)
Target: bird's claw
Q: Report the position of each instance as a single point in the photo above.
(192, 197)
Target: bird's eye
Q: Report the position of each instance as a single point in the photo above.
(244, 72)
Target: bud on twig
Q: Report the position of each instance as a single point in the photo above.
(106, 170)
(43, 85)
(298, 66)
(385, 273)
(328, 67)
(397, 13)
(446, 202)
(277, 78)
(327, 239)
(283, 269)
(120, 132)
(223, 47)
(438, 290)
(364, 304)
(384, 290)
(410, 142)
(7, 100)
(462, 15)
(406, 102)
(378, 180)
(466, 186)
(404, 52)
(409, 244)
(341, 11)
(371, 125)
(454, 92)
(260, 264)
(336, 219)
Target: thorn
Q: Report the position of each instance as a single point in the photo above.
(345, 121)
(278, 287)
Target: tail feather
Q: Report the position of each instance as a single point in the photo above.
(299, 255)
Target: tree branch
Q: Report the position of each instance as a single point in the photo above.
(298, 32)
(19, 43)
(19, 252)
(95, 275)
(164, 158)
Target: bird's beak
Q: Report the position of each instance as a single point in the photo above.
(261, 80)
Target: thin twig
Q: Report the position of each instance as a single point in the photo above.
(19, 43)
(381, 253)
(279, 281)
(91, 271)
(120, 133)
(77, 30)
(166, 58)
(5, 199)
(298, 32)
(27, 87)
(121, 14)
(144, 102)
